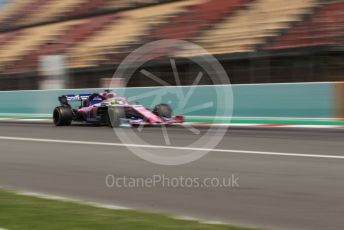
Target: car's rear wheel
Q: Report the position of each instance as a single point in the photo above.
(62, 116)
(163, 110)
(115, 115)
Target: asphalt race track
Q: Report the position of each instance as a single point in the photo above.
(304, 190)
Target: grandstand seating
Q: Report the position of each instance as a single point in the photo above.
(188, 25)
(220, 26)
(5, 38)
(88, 6)
(72, 36)
(31, 12)
(200, 16)
(12, 8)
(30, 40)
(68, 39)
(124, 31)
(116, 4)
(16, 18)
(325, 28)
(249, 27)
(54, 9)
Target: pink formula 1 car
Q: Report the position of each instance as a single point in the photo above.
(108, 109)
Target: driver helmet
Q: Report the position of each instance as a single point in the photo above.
(111, 95)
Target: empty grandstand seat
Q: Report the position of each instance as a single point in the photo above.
(70, 37)
(31, 39)
(88, 6)
(52, 10)
(245, 29)
(124, 31)
(19, 17)
(189, 24)
(324, 28)
(7, 37)
(198, 17)
(220, 26)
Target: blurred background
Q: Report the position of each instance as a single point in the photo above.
(295, 129)
(47, 44)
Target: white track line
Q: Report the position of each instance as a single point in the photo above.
(172, 147)
(202, 124)
(66, 199)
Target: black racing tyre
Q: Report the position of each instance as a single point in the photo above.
(163, 110)
(115, 115)
(62, 116)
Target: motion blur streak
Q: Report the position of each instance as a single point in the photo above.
(303, 189)
(170, 147)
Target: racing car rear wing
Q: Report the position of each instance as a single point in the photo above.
(77, 97)
(65, 99)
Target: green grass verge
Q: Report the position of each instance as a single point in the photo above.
(19, 212)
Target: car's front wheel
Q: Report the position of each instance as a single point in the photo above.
(62, 116)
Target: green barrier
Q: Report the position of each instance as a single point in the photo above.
(313, 100)
(304, 100)
(204, 100)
